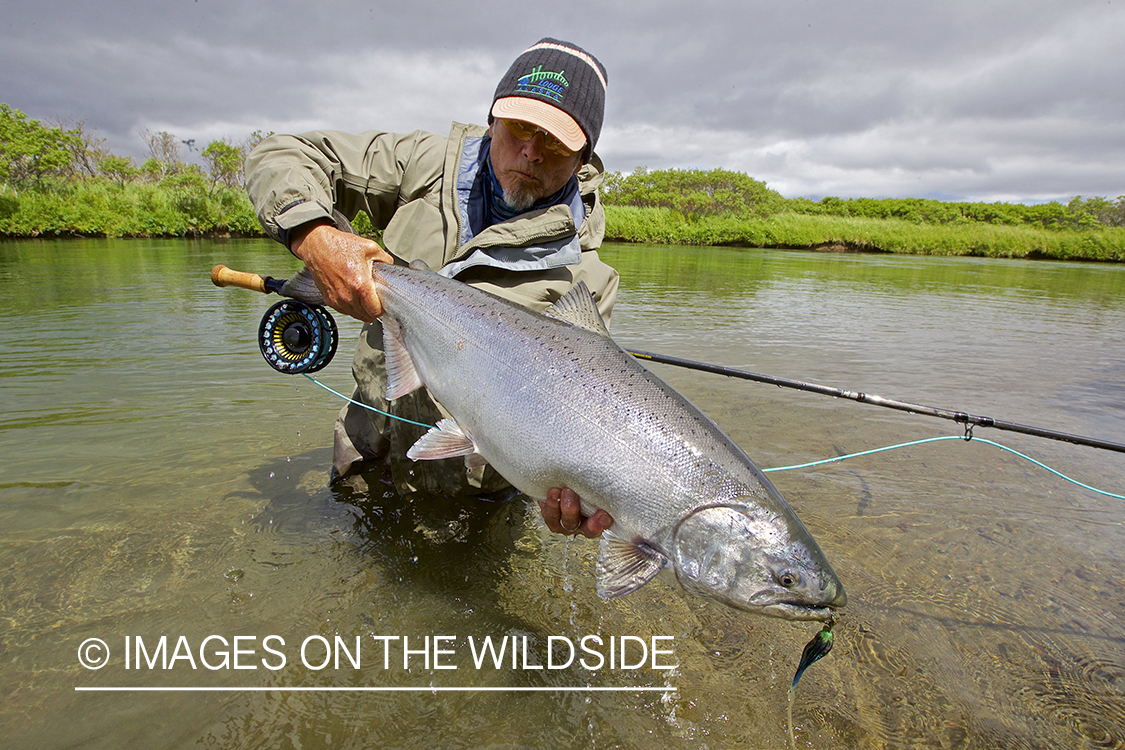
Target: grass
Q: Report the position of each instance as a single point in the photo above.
(100, 208)
(97, 208)
(806, 231)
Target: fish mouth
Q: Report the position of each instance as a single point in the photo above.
(800, 608)
(791, 610)
(797, 611)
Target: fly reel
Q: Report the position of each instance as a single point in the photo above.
(296, 337)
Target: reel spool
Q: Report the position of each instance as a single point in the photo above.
(296, 337)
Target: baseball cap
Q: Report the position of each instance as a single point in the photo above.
(559, 87)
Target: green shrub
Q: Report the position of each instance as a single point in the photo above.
(692, 192)
(896, 235)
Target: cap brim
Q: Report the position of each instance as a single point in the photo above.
(547, 116)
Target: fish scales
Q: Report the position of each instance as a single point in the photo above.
(551, 403)
(597, 401)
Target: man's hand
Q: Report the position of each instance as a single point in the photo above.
(340, 263)
(562, 512)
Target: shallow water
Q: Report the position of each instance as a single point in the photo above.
(158, 479)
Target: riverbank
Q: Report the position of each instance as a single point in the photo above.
(139, 210)
(103, 209)
(854, 234)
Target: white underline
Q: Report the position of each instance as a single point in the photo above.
(126, 689)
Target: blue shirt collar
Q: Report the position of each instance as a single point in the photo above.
(493, 209)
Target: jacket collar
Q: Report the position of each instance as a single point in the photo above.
(538, 239)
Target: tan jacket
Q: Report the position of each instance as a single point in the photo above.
(408, 185)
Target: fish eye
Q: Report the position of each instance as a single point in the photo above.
(789, 578)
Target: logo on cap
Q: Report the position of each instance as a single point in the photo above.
(544, 83)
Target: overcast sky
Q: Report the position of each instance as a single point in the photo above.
(960, 99)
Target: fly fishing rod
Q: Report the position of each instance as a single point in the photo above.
(969, 420)
(298, 335)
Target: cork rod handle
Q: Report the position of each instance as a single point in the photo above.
(223, 276)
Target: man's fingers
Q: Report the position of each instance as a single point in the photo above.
(340, 263)
(550, 510)
(378, 254)
(367, 301)
(597, 523)
(562, 512)
(570, 511)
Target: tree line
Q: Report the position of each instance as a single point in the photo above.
(63, 180)
(37, 156)
(58, 179)
(721, 207)
(722, 193)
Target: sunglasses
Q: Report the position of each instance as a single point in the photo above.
(525, 131)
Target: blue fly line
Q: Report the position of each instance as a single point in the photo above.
(969, 437)
(365, 406)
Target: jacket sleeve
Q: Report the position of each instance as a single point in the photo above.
(294, 179)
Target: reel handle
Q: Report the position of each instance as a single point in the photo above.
(223, 276)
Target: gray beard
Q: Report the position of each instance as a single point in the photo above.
(519, 199)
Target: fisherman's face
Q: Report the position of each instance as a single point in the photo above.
(528, 171)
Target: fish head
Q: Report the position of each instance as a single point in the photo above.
(756, 558)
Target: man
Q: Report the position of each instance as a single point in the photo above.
(512, 209)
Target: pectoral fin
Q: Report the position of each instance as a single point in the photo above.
(624, 566)
(402, 376)
(447, 440)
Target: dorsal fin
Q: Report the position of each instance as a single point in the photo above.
(419, 265)
(578, 308)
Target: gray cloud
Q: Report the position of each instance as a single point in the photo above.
(961, 99)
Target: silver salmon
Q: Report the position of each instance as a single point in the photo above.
(549, 400)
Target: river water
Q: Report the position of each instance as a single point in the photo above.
(158, 480)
